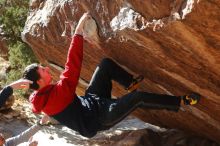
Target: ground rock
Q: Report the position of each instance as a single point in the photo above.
(130, 132)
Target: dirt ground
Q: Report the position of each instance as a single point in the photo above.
(17, 119)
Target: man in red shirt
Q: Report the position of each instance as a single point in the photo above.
(95, 110)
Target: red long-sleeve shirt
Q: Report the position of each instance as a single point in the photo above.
(52, 99)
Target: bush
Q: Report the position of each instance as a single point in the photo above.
(20, 55)
(13, 17)
(12, 21)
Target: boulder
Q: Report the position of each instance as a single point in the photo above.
(129, 132)
(173, 43)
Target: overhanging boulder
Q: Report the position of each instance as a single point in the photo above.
(173, 43)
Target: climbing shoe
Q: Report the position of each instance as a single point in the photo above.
(135, 83)
(191, 99)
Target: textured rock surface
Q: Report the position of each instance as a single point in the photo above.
(173, 43)
(130, 132)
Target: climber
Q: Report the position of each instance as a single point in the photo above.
(95, 110)
(7, 91)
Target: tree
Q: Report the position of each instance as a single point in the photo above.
(13, 17)
(12, 21)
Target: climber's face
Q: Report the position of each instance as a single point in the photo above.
(45, 76)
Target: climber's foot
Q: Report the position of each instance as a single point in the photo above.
(191, 99)
(135, 83)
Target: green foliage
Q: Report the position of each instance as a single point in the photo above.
(20, 55)
(12, 20)
(13, 17)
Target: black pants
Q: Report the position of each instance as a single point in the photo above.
(111, 111)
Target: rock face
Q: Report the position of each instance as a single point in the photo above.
(122, 134)
(173, 43)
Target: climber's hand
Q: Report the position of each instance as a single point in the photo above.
(80, 26)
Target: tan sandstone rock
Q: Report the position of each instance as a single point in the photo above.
(173, 43)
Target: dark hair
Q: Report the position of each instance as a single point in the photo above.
(31, 73)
